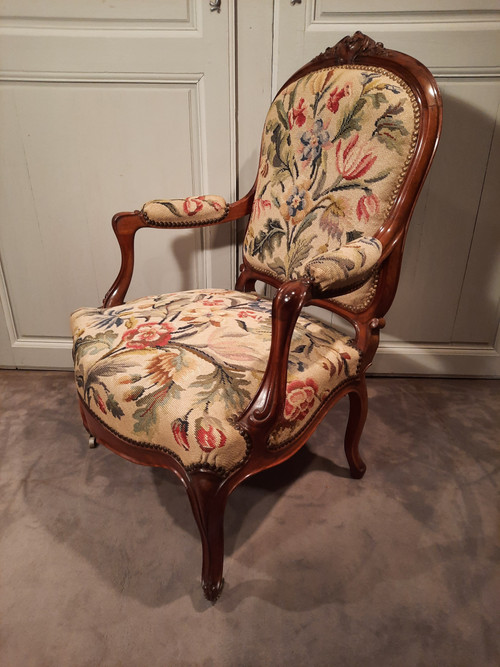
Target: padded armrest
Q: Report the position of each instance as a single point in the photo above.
(351, 264)
(189, 212)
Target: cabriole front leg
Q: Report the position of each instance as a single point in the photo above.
(208, 501)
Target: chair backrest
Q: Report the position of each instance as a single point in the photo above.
(340, 140)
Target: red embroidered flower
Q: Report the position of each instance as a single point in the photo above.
(100, 403)
(213, 204)
(260, 205)
(296, 115)
(179, 430)
(335, 96)
(213, 301)
(192, 205)
(353, 162)
(367, 206)
(250, 313)
(148, 335)
(299, 398)
(208, 436)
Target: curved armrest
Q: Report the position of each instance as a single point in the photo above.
(349, 266)
(190, 212)
(268, 405)
(193, 212)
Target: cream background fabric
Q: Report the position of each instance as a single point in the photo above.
(176, 370)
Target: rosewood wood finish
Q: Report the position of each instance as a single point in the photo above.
(207, 490)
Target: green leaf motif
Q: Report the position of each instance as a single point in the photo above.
(350, 122)
(299, 253)
(379, 177)
(230, 387)
(94, 344)
(268, 239)
(354, 235)
(377, 99)
(276, 140)
(282, 114)
(278, 267)
(113, 407)
(146, 414)
(387, 128)
(171, 208)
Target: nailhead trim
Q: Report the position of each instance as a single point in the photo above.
(184, 222)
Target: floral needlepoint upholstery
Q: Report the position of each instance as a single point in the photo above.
(351, 264)
(187, 212)
(175, 371)
(336, 146)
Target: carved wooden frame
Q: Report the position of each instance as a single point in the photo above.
(207, 490)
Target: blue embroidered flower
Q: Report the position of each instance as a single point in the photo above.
(296, 201)
(314, 141)
(113, 318)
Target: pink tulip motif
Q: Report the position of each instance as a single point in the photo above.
(208, 435)
(367, 206)
(353, 161)
(179, 430)
(260, 206)
(192, 205)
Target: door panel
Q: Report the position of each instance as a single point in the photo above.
(157, 14)
(104, 106)
(445, 316)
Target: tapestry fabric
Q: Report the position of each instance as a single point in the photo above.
(335, 148)
(358, 300)
(175, 371)
(204, 209)
(351, 264)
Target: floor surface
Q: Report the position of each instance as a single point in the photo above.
(100, 559)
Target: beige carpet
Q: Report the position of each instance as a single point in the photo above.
(100, 559)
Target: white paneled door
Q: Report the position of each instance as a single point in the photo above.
(103, 106)
(445, 316)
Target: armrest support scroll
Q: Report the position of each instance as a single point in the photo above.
(266, 409)
(125, 226)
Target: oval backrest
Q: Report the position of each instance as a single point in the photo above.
(336, 146)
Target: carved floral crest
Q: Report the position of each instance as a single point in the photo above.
(349, 49)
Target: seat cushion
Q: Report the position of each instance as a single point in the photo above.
(175, 371)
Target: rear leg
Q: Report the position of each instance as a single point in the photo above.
(358, 409)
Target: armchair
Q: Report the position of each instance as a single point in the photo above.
(217, 385)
